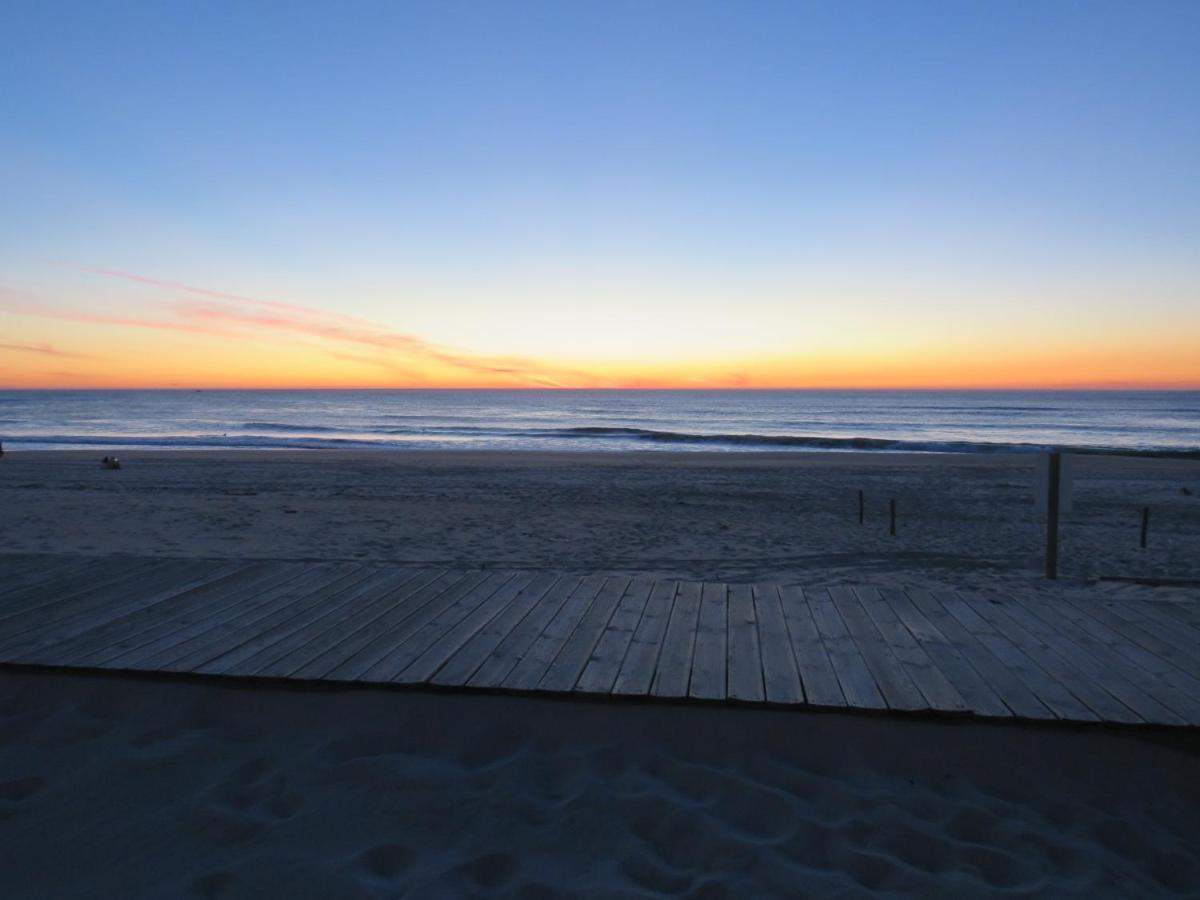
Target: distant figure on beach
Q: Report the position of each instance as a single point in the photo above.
(110, 462)
(1, 451)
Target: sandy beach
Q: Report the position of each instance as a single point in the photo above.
(966, 519)
(142, 787)
(116, 787)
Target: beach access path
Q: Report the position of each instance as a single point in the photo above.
(882, 649)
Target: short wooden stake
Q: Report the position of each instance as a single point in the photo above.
(1145, 524)
(1052, 483)
(860, 507)
(892, 523)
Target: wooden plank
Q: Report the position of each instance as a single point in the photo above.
(394, 631)
(600, 673)
(744, 665)
(208, 640)
(43, 574)
(674, 670)
(781, 678)
(69, 620)
(568, 664)
(1185, 611)
(378, 589)
(888, 673)
(1110, 660)
(501, 661)
(1177, 688)
(1179, 640)
(224, 645)
(346, 654)
(34, 603)
(1057, 665)
(1173, 615)
(1015, 692)
(414, 644)
(1130, 684)
(529, 671)
(403, 643)
(144, 626)
(818, 678)
(1057, 698)
(452, 639)
(891, 677)
(253, 655)
(712, 635)
(949, 654)
(322, 635)
(465, 661)
(853, 674)
(935, 687)
(40, 604)
(1169, 642)
(54, 589)
(641, 658)
(15, 564)
(78, 571)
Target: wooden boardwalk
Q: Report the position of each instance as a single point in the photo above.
(880, 649)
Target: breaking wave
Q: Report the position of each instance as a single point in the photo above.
(300, 437)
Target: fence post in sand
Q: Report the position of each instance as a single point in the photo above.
(1052, 481)
(892, 517)
(1145, 524)
(860, 507)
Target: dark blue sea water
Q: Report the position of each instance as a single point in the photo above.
(964, 421)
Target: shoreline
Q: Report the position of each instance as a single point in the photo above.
(640, 454)
(715, 444)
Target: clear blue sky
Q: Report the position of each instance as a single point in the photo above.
(499, 176)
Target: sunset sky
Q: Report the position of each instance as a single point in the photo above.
(605, 194)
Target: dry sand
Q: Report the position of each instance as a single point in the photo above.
(125, 788)
(967, 520)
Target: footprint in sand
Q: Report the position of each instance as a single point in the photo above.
(647, 875)
(15, 793)
(385, 864)
(254, 797)
(18, 790)
(490, 870)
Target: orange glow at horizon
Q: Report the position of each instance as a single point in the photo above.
(192, 337)
(210, 363)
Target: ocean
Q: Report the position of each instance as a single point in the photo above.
(1143, 422)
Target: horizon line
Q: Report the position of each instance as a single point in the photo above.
(1163, 386)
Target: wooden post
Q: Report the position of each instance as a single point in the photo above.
(892, 523)
(1145, 524)
(1052, 483)
(860, 507)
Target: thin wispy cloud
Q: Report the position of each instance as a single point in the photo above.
(26, 304)
(223, 309)
(226, 314)
(201, 292)
(42, 350)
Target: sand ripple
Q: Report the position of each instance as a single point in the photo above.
(119, 787)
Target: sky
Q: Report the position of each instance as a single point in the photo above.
(600, 194)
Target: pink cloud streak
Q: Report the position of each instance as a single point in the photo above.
(230, 315)
(43, 350)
